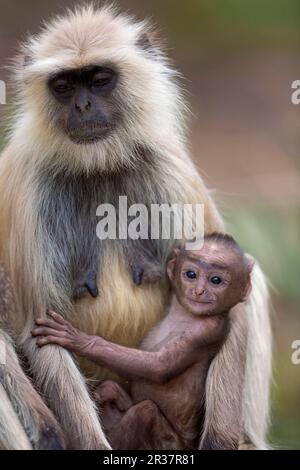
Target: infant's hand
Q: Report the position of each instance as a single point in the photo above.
(61, 332)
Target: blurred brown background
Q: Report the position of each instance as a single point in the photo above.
(239, 59)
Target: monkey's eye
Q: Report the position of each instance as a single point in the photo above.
(101, 79)
(62, 86)
(215, 280)
(191, 274)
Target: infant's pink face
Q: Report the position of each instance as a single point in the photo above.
(208, 280)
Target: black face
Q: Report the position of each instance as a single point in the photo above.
(87, 110)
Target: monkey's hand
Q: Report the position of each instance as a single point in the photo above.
(61, 332)
(146, 273)
(86, 286)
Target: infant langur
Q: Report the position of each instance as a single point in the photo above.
(168, 373)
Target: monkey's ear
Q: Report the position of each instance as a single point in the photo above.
(247, 290)
(26, 60)
(248, 287)
(21, 61)
(250, 265)
(170, 269)
(148, 42)
(144, 42)
(172, 263)
(175, 253)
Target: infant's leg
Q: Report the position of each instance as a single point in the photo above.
(143, 426)
(113, 401)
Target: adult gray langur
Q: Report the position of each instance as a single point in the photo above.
(99, 115)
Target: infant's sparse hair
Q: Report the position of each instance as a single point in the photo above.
(229, 243)
(226, 240)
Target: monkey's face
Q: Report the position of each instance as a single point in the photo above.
(86, 110)
(95, 89)
(209, 281)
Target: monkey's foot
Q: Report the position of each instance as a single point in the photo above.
(113, 401)
(110, 391)
(50, 439)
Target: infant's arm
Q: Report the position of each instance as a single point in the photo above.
(174, 356)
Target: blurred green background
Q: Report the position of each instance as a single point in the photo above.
(238, 59)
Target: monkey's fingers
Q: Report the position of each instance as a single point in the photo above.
(51, 324)
(58, 318)
(44, 331)
(152, 275)
(52, 340)
(148, 274)
(92, 288)
(80, 291)
(138, 276)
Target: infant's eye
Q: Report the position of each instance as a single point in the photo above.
(191, 274)
(215, 280)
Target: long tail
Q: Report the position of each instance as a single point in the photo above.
(12, 434)
(64, 388)
(34, 418)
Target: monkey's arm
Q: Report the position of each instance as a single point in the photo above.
(173, 358)
(155, 366)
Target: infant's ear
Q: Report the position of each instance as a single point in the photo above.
(247, 290)
(172, 263)
(170, 268)
(250, 265)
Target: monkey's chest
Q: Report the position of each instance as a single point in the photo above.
(181, 398)
(122, 312)
(165, 331)
(85, 218)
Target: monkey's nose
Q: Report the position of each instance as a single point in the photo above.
(199, 290)
(81, 107)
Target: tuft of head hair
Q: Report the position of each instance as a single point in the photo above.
(230, 243)
(225, 239)
(147, 92)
